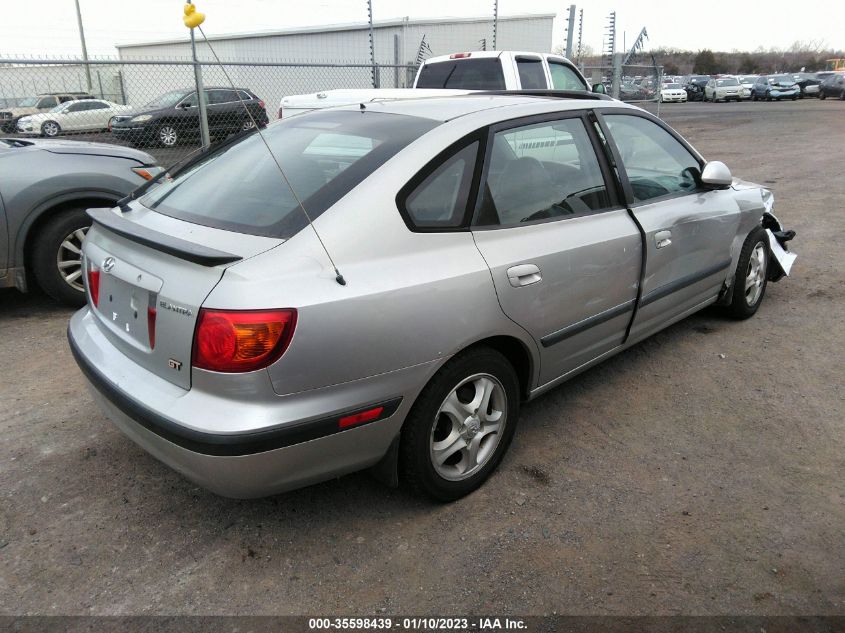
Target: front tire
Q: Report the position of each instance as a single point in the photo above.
(822, 95)
(752, 272)
(460, 426)
(50, 129)
(57, 256)
(167, 135)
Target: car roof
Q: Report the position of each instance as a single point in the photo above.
(447, 108)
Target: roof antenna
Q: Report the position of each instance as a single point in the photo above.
(338, 277)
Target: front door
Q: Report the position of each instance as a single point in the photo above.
(564, 256)
(688, 228)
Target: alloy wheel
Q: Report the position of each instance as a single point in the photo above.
(248, 124)
(69, 259)
(167, 135)
(468, 427)
(50, 128)
(756, 274)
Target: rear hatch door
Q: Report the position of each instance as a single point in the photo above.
(154, 273)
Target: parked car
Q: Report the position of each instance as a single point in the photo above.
(45, 187)
(72, 116)
(463, 255)
(746, 82)
(808, 84)
(673, 92)
(174, 117)
(777, 87)
(34, 105)
(722, 89)
(833, 86)
(459, 72)
(694, 86)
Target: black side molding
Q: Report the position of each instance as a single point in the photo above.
(227, 445)
(586, 324)
(175, 246)
(545, 92)
(683, 282)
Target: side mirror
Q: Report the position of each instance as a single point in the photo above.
(716, 174)
(599, 89)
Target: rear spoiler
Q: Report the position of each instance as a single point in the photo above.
(162, 242)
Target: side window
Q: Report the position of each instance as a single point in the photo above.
(96, 105)
(531, 75)
(440, 201)
(244, 95)
(77, 106)
(541, 171)
(564, 78)
(64, 98)
(221, 96)
(656, 163)
(47, 102)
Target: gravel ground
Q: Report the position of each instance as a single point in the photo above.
(700, 472)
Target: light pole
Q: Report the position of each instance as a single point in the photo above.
(84, 48)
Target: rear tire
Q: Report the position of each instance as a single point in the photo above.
(822, 96)
(451, 442)
(56, 264)
(752, 272)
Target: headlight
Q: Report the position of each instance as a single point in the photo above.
(140, 118)
(25, 119)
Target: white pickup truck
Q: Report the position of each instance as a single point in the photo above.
(459, 73)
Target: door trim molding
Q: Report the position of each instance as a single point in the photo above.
(683, 282)
(586, 324)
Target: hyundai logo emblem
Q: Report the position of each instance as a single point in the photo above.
(108, 264)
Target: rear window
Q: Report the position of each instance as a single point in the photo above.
(484, 73)
(324, 156)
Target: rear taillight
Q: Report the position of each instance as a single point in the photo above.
(94, 284)
(261, 103)
(241, 340)
(280, 112)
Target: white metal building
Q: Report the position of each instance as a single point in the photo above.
(285, 54)
(396, 41)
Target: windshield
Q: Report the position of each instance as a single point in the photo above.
(671, 86)
(780, 79)
(61, 107)
(324, 155)
(167, 100)
(747, 79)
(700, 79)
(730, 81)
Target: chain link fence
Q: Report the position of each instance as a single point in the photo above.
(153, 103)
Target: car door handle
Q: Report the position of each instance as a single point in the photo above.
(662, 238)
(524, 275)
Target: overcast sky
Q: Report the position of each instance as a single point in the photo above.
(48, 27)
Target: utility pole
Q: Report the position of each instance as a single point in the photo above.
(84, 48)
(570, 31)
(495, 21)
(372, 42)
(205, 137)
(580, 32)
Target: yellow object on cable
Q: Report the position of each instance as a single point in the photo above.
(192, 17)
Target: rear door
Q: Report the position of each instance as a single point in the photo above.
(564, 256)
(688, 228)
(531, 72)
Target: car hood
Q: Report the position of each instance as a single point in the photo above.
(19, 111)
(784, 85)
(61, 146)
(133, 112)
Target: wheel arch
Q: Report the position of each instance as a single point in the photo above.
(44, 211)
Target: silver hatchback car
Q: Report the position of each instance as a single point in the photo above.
(441, 261)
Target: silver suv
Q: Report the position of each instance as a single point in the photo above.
(441, 261)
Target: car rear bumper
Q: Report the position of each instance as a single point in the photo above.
(306, 446)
